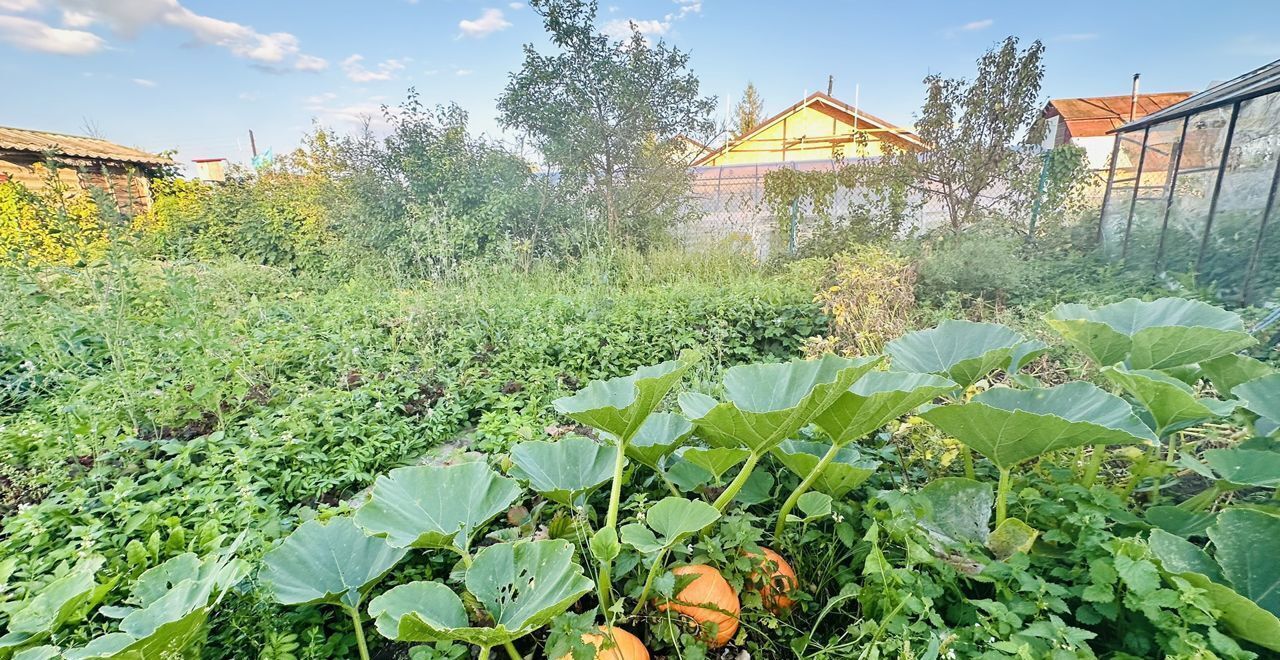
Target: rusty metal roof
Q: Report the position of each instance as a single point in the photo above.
(20, 139)
(1099, 115)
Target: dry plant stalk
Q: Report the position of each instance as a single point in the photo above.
(869, 295)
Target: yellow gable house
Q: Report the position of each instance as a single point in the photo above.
(817, 128)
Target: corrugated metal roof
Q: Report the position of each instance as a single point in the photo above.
(1099, 115)
(1261, 80)
(20, 139)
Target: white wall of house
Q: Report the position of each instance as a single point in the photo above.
(1098, 149)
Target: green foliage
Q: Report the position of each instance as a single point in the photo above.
(333, 563)
(608, 114)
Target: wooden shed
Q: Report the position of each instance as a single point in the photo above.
(82, 163)
(819, 128)
(1087, 122)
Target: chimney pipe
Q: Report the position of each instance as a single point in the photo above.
(1133, 100)
(831, 82)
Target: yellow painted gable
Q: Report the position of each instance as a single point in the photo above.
(813, 131)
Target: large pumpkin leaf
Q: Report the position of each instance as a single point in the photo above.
(958, 509)
(167, 623)
(1246, 543)
(564, 471)
(1172, 403)
(848, 470)
(61, 601)
(1227, 371)
(668, 522)
(1178, 555)
(1180, 521)
(659, 435)
(433, 506)
(1261, 395)
(1164, 333)
(1247, 467)
(1242, 616)
(688, 476)
(521, 586)
(167, 640)
(767, 403)
(1011, 426)
(334, 563)
(714, 460)
(619, 406)
(963, 351)
(877, 399)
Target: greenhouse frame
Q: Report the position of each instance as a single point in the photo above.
(1192, 189)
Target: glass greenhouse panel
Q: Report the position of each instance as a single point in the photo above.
(1242, 201)
(1198, 168)
(1152, 193)
(1115, 214)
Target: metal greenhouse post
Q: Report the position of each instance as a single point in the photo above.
(1217, 186)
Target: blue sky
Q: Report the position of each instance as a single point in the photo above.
(196, 75)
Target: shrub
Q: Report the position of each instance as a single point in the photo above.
(979, 264)
(54, 227)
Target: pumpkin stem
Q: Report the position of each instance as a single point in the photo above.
(726, 498)
(648, 581)
(802, 489)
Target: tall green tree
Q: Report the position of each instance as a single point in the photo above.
(977, 131)
(606, 113)
(749, 112)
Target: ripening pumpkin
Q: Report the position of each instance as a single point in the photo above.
(625, 646)
(775, 587)
(707, 600)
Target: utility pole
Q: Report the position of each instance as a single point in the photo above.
(253, 146)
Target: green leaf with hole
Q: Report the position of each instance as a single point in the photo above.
(435, 506)
(565, 471)
(668, 522)
(957, 509)
(963, 351)
(1164, 333)
(877, 399)
(64, 600)
(1228, 371)
(713, 460)
(848, 470)
(619, 406)
(333, 563)
(1246, 467)
(520, 586)
(768, 403)
(1011, 426)
(1172, 403)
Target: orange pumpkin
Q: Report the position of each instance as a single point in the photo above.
(708, 601)
(625, 646)
(775, 587)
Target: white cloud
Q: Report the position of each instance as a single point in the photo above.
(143, 82)
(977, 25)
(489, 22)
(621, 28)
(515, 6)
(275, 51)
(384, 70)
(248, 96)
(463, 72)
(19, 5)
(29, 34)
